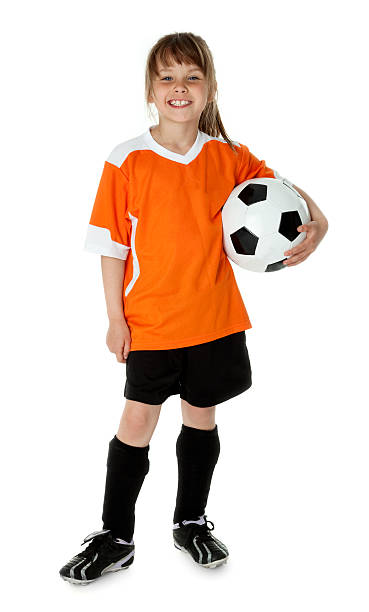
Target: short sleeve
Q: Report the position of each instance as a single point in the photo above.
(250, 167)
(109, 229)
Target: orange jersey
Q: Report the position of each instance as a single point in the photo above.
(161, 212)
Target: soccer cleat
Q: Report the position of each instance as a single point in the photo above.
(195, 538)
(104, 554)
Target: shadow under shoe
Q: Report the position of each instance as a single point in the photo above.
(101, 556)
(194, 537)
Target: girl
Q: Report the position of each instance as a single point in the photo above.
(176, 316)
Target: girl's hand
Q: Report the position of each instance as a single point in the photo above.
(315, 232)
(118, 339)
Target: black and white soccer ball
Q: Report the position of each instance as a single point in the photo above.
(260, 220)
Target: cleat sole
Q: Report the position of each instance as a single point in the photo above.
(211, 565)
(85, 582)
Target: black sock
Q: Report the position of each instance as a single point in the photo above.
(197, 454)
(127, 467)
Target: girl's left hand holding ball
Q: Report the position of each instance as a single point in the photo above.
(315, 232)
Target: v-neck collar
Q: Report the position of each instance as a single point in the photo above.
(177, 157)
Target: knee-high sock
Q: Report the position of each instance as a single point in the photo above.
(127, 467)
(197, 454)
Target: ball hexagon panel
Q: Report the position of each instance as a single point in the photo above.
(284, 195)
(271, 246)
(261, 218)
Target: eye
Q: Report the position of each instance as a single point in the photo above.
(193, 77)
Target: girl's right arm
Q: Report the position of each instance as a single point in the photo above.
(118, 338)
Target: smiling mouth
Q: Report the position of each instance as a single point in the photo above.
(188, 103)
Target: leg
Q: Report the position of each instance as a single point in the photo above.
(197, 451)
(127, 466)
(138, 423)
(200, 418)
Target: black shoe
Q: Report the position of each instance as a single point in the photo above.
(102, 555)
(196, 539)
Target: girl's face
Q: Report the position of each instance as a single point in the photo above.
(180, 82)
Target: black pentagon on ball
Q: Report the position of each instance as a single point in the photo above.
(253, 193)
(277, 265)
(244, 242)
(290, 221)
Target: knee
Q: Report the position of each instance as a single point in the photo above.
(137, 425)
(137, 420)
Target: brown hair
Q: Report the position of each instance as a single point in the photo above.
(185, 47)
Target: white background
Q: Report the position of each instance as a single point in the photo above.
(289, 494)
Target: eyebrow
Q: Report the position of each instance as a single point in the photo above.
(193, 69)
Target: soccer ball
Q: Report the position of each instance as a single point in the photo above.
(260, 220)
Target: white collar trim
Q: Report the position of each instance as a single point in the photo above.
(177, 157)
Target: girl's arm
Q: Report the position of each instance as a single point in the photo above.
(113, 274)
(315, 212)
(118, 337)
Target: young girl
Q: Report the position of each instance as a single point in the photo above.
(176, 316)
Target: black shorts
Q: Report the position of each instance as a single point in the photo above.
(204, 375)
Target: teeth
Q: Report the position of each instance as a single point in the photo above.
(179, 103)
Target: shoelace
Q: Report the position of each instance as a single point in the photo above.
(102, 541)
(203, 529)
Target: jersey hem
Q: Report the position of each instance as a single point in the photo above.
(241, 326)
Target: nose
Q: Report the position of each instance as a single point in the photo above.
(180, 87)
